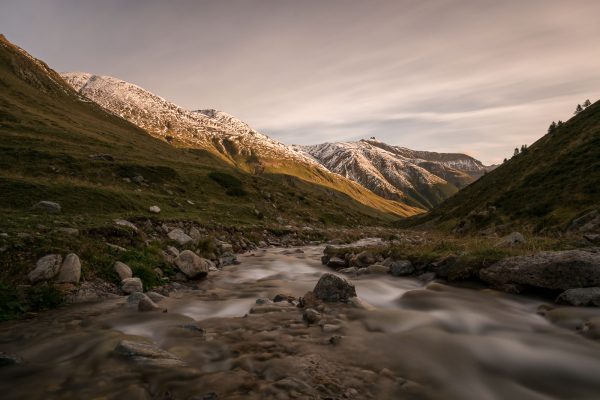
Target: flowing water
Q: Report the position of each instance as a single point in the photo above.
(415, 341)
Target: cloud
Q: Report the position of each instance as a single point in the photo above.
(477, 76)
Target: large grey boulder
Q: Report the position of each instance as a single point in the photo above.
(192, 265)
(70, 270)
(580, 297)
(401, 268)
(123, 270)
(46, 268)
(132, 285)
(47, 206)
(557, 270)
(333, 288)
(179, 236)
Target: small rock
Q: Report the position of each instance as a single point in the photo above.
(123, 270)
(195, 234)
(334, 340)
(333, 288)
(172, 251)
(336, 262)
(115, 247)
(46, 268)
(133, 299)
(283, 297)
(146, 304)
(70, 270)
(348, 271)
(147, 354)
(48, 206)
(132, 285)
(9, 359)
(401, 268)
(580, 297)
(593, 238)
(263, 301)
(192, 265)
(138, 179)
(68, 231)
(329, 328)
(179, 236)
(364, 259)
(511, 240)
(311, 316)
(378, 269)
(155, 297)
(154, 209)
(126, 224)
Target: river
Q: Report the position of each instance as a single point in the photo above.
(414, 341)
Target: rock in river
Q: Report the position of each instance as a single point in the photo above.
(334, 288)
(580, 297)
(556, 270)
(132, 285)
(147, 354)
(192, 265)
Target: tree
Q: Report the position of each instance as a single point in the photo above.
(516, 152)
(559, 124)
(505, 160)
(578, 109)
(587, 103)
(523, 148)
(552, 127)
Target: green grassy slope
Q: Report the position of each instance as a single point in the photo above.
(48, 135)
(555, 180)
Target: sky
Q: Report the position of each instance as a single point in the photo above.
(474, 76)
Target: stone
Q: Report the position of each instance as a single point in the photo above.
(401, 268)
(46, 268)
(311, 316)
(228, 258)
(589, 222)
(132, 285)
(173, 251)
(580, 297)
(348, 271)
(115, 247)
(179, 236)
(138, 179)
(146, 304)
(364, 259)
(511, 240)
(192, 265)
(195, 234)
(262, 301)
(9, 359)
(283, 297)
(336, 262)
(378, 269)
(155, 297)
(147, 354)
(123, 270)
(333, 288)
(68, 231)
(70, 270)
(593, 238)
(154, 209)
(133, 299)
(47, 206)
(556, 270)
(126, 224)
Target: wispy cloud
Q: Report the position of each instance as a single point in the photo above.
(477, 76)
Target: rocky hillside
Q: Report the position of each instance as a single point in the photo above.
(220, 134)
(548, 185)
(420, 178)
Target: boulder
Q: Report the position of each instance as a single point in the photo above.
(123, 270)
(133, 300)
(47, 206)
(336, 262)
(333, 288)
(311, 316)
(195, 234)
(154, 209)
(401, 268)
(179, 236)
(378, 269)
(589, 222)
(46, 268)
(556, 270)
(192, 265)
(348, 271)
(70, 270)
(155, 297)
(126, 224)
(511, 240)
(593, 238)
(364, 259)
(580, 297)
(132, 285)
(146, 304)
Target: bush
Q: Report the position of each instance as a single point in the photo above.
(233, 185)
(44, 297)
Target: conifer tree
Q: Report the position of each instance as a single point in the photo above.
(587, 103)
(578, 109)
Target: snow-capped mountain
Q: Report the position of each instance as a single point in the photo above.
(221, 134)
(418, 177)
(210, 129)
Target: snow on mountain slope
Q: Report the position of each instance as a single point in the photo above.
(210, 129)
(418, 177)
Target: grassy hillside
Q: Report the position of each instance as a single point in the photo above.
(555, 180)
(56, 146)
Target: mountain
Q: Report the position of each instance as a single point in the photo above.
(220, 134)
(555, 180)
(420, 178)
(58, 145)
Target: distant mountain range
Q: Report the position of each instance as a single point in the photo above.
(419, 179)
